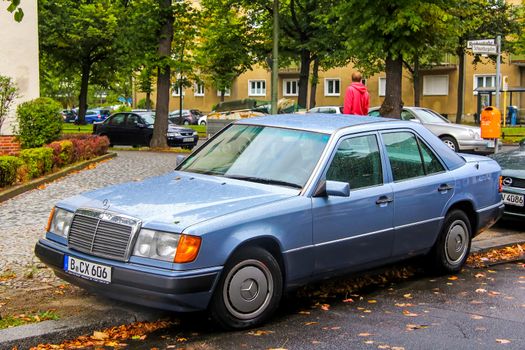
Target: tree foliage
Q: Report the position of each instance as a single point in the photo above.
(8, 94)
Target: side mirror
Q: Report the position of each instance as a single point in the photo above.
(180, 158)
(333, 188)
(415, 120)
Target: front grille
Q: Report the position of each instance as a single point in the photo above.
(187, 133)
(517, 182)
(102, 233)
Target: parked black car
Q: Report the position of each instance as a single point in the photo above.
(189, 117)
(136, 129)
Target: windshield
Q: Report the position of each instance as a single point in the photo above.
(428, 116)
(260, 154)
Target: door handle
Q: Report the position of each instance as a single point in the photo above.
(444, 187)
(384, 200)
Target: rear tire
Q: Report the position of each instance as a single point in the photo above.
(249, 290)
(450, 142)
(453, 245)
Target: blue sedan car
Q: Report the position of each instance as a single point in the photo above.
(272, 203)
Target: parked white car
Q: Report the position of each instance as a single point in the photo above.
(327, 109)
(203, 120)
(460, 138)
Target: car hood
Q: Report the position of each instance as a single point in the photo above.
(512, 161)
(178, 200)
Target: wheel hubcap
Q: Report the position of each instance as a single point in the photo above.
(450, 144)
(456, 242)
(248, 289)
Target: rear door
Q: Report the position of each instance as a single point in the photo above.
(116, 128)
(422, 187)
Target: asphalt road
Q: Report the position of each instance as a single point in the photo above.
(481, 309)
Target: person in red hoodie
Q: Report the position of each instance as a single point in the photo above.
(357, 99)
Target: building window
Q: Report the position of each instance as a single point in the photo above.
(199, 89)
(332, 87)
(175, 91)
(382, 86)
(227, 92)
(435, 85)
(291, 87)
(487, 81)
(256, 87)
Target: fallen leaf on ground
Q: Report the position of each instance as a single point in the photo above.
(408, 296)
(481, 290)
(304, 312)
(404, 304)
(310, 323)
(348, 300)
(372, 301)
(325, 307)
(364, 334)
(409, 314)
(502, 341)
(476, 317)
(100, 335)
(411, 327)
(259, 332)
(453, 278)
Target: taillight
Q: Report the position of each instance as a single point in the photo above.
(500, 187)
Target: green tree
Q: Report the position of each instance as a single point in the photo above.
(226, 47)
(484, 19)
(85, 36)
(383, 33)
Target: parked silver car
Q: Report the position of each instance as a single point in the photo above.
(460, 138)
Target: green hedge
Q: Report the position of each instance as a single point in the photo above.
(39, 161)
(39, 122)
(35, 162)
(9, 166)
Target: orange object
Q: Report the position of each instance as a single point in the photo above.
(490, 123)
(50, 219)
(187, 249)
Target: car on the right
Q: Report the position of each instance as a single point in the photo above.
(327, 109)
(513, 180)
(460, 138)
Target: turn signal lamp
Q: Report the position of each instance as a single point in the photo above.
(52, 213)
(187, 249)
(500, 188)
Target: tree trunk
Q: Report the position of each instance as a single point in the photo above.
(417, 83)
(461, 82)
(222, 95)
(82, 97)
(314, 82)
(303, 78)
(148, 100)
(391, 107)
(164, 76)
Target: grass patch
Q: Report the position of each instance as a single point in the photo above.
(70, 128)
(513, 134)
(18, 320)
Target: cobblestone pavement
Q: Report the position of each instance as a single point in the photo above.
(23, 218)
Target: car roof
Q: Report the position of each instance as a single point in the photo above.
(316, 122)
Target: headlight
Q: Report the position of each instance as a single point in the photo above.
(156, 245)
(166, 246)
(173, 134)
(60, 222)
(473, 134)
(195, 133)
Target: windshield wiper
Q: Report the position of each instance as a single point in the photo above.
(264, 181)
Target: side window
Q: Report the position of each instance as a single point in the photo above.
(357, 161)
(430, 160)
(406, 115)
(409, 157)
(117, 119)
(374, 113)
(133, 120)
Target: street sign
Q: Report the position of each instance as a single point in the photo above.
(480, 42)
(485, 49)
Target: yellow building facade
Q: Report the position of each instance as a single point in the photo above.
(439, 86)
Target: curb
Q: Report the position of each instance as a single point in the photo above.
(16, 190)
(497, 243)
(53, 332)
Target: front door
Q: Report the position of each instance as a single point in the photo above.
(355, 230)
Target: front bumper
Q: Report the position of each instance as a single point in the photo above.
(179, 141)
(167, 290)
(476, 145)
(514, 210)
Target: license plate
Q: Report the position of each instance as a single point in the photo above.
(87, 269)
(513, 199)
(187, 139)
(490, 143)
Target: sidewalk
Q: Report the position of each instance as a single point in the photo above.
(101, 313)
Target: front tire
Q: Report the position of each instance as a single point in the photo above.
(249, 290)
(453, 245)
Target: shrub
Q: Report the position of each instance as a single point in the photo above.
(123, 108)
(8, 170)
(142, 104)
(89, 146)
(63, 153)
(39, 161)
(39, 122)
